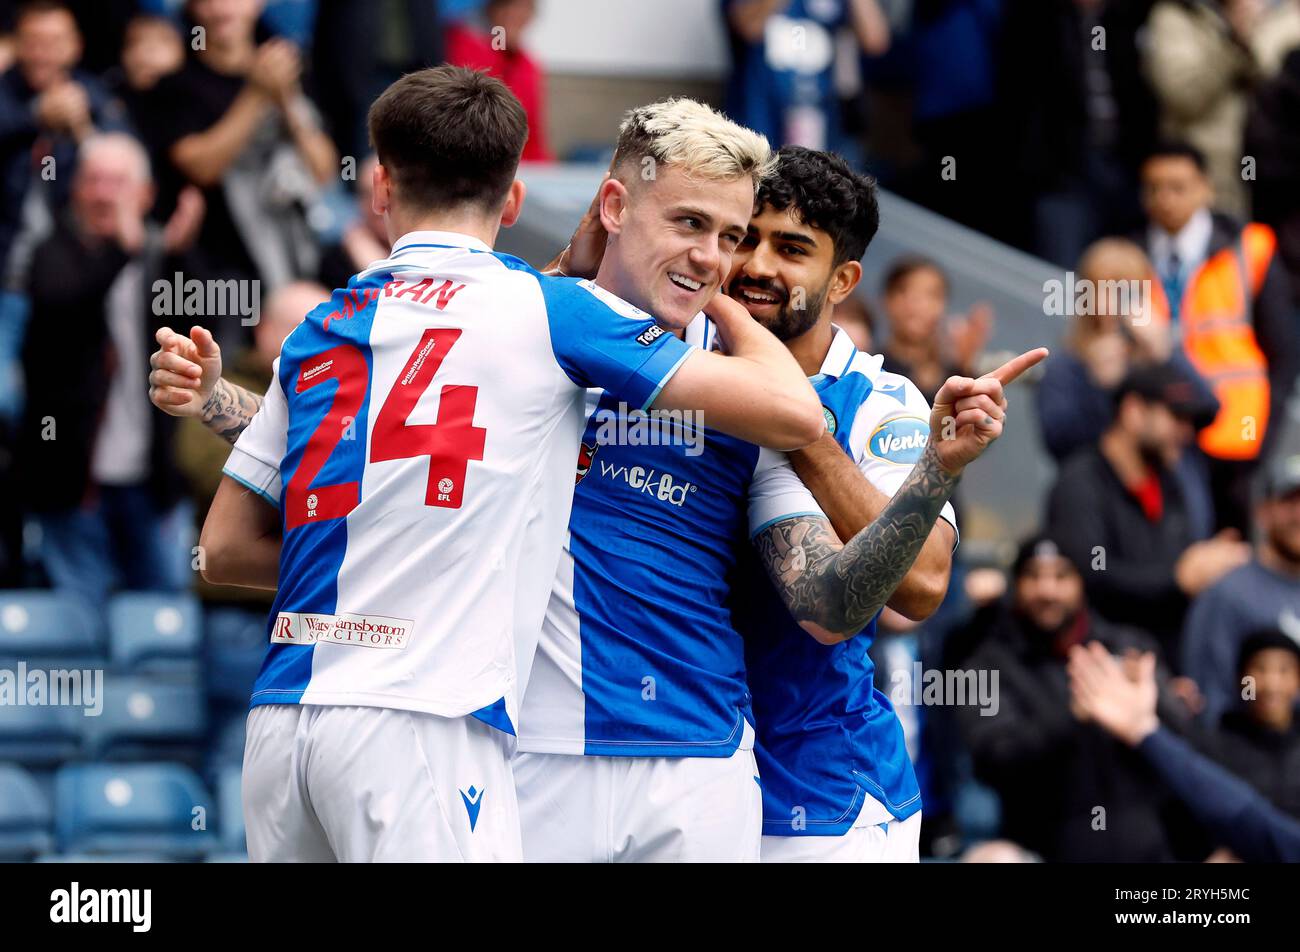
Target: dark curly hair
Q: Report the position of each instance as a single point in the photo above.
(826, 194)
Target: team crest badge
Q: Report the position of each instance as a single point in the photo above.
(585, 456)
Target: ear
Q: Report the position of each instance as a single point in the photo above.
(514, 204)
(381, 190)
(613, 198)
(846, 277)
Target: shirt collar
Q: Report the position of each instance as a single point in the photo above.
(443, 239)
(840, 355)
(1192, 241)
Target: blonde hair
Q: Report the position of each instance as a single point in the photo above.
(695, 138)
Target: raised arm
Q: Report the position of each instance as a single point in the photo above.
(834, 590)
(185, 381)
(757, 392)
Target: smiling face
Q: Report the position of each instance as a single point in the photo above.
(672, 240)
(783, 272)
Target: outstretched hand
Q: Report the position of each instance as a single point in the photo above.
(184, 371)
(969, 413)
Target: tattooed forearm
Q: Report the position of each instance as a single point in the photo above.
(840, 588)
(229, 410)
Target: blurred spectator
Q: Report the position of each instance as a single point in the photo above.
(102, 23)
(1080, 118)
(1050, 767)
(359, 47)
(1277, 35)
(494, 42)
(1122, 700)
(783, 55)
(362, 243)
(1259, 739)
(152, 49)
(853, 314)
(201, 455)
(1271, 138)
(1075, 396)
(921, 346)
(954, 51)
(1122, 515)
(96, 457)
(47, 106)
(1239, 335)
(242, 130)
(1201, 67)
(1263, 594)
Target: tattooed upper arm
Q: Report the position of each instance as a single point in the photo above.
(230, 410)
(797, 553)
(834, 590)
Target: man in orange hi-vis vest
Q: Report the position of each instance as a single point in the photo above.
(1225, 295)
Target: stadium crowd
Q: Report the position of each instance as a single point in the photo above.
(1145, 142)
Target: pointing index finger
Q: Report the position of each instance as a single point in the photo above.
(1017, 365)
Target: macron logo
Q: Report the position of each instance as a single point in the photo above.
(473, 801)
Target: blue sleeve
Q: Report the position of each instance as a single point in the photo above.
(602, 341)
(1230, 809)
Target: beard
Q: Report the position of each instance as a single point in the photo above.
(789, 322)
(1286, 546)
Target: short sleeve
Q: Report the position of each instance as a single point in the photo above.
(601, 341)
(890, 432)
(255, 460)
(777, 493)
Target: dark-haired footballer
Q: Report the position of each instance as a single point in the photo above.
(837, 781)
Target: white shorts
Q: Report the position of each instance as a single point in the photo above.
(371, 784)
(898, 841)
(577, 809)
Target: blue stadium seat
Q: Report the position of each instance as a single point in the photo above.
(40, 736)
(26, 820)
(226, 746)
(150, 631)
(146, 717)
(49, 625)
(236, 645)
(230, 805)
(132, 809)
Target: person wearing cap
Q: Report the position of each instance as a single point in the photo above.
(1259, 739)
(1125, 519)
(1262, 594)
(1051, 767)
